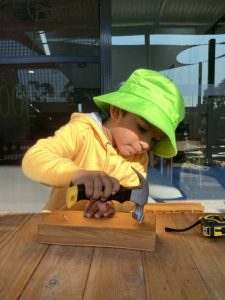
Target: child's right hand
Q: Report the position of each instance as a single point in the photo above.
(98, 184)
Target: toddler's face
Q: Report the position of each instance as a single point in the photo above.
(133, 135)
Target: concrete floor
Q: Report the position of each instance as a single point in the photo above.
(199, 184)
(18, 193)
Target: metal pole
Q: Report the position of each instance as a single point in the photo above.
(210, 100)
(105, 46)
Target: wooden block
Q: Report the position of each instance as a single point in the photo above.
(174, 207)
(120, 231)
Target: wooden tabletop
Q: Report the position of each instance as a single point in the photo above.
(184, 265)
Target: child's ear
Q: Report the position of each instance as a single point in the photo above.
(114, 112)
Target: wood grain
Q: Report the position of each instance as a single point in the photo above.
(170, 271)
(184, 265)
(175, 207)
(207, 253)
(120, 231)
(62, 274)
(116, 274)
(10, 223)
(19, 259)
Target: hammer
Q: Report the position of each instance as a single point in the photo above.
(139, 195)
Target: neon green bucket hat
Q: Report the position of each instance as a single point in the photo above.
(153, 97)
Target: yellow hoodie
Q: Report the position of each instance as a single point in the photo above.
(80, 144)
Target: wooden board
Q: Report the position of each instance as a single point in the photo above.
(20, 256)
(174, 207)
(170, 272)
(10, 223)
(120, 231)
(207, 253)
(116, 274)
(62, 274)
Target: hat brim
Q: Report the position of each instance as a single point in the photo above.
(149, 111)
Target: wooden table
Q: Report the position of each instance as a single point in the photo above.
(184, 265)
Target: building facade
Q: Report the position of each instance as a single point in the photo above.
(56, 55)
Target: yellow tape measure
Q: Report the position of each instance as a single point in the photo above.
(212, 226)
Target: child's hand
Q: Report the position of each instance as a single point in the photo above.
(98, 209)
(98, 184)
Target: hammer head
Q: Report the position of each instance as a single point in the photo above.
(140, 197)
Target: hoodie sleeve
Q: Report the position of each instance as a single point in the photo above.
(50, 160)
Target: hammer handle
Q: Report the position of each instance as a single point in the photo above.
(121, 196)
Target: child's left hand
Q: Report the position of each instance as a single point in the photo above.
(98, 209)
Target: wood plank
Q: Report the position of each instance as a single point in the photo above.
(19, 258)
(208, 254)
(62, 274)
(120, 231)
(175, 207)
(9, 224)
(116, 274)
(170, 271)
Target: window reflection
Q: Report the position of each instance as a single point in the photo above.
(49, 28)
(37, 96)
(39, 100)
(176, 40)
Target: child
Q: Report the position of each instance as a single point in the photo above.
(142, 115)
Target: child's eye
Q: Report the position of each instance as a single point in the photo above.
(142, 129)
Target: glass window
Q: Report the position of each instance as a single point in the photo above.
(49, 68)
(185, 42)
(39, 99)
(46, 28)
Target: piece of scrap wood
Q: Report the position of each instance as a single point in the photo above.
(174, 207)
(119, 231)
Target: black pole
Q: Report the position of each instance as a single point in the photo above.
(210, 99)
(105, 45)
(199, 84)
